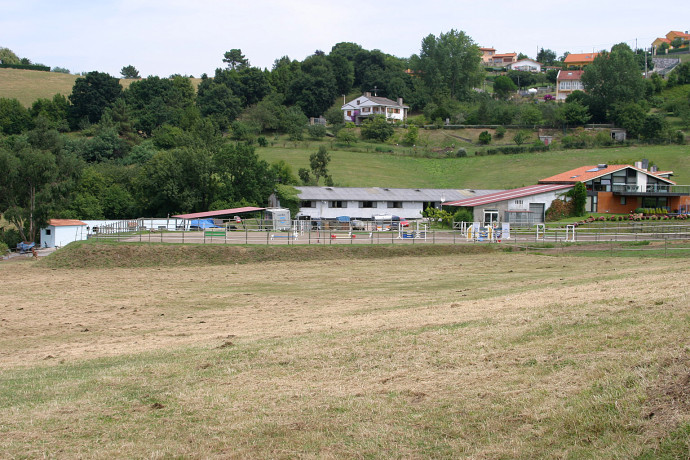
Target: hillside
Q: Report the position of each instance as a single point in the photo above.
(28, 85)
(363, 169)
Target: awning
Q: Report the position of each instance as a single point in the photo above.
(221, 212)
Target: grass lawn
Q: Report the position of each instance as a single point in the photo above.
(362, 168)
(491, 355)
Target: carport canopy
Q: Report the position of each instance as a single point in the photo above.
(219, 213)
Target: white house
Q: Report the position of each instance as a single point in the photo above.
(365, 203)
(526, 65)
(357, 110)
(568, 81)
(61, 232)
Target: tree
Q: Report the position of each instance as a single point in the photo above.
(411, 136)
(579, 198)
(316, 131)
(129, 72)
(377, 128)
(59, 70)
(546, 57)
(235, 59)
(346, 135)
(612, 79)
(677, 42)
(14, 118)
(7, 56)
(629, 116)
(574, 113)
(91, 95)
(318, 162)
(240, 176)
(217, 102)
(654, 126)
(450, 64)
(504, 87)
(522, 56)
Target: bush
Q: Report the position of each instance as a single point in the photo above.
(463, 215)
(460, 153)
(377, 128)
(262, 141)
(484, 138)
(384, 149)
(679, 137)
(316, 131)
(500, 132)
(3, 248)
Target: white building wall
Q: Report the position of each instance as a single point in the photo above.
(409, 210)
(62, 235)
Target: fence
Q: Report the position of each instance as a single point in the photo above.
(632, 235)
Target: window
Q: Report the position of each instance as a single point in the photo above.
(366, 109)
(48, 231)
(349, 113)
(395, 204)
(367, 204)
(337, 204)
(307, 204)
(518, 202)
(624, 200)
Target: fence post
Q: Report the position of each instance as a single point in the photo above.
(666, 246)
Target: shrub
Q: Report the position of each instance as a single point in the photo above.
(3, 248)
(262, 141)
(500, 132)
(461, 153)
(463, 215)
(377, 128)
(484, 138)
(679, 137)
(316, 131)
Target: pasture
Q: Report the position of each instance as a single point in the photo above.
(493, 355)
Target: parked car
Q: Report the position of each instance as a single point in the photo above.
(357, 224)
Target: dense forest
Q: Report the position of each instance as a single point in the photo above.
(162, 146)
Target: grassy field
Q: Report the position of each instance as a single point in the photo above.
(29, 85)
(492, 355)
(362, 168)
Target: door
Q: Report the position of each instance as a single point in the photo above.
(537, 212)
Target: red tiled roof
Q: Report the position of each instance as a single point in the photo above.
(505, 55)
(487, 49)
(679, 34)
(222, 212)
(587, 173)
(584, 57)
(569, 74)
(507, 195)
(65, 222)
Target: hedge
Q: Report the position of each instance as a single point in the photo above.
(42, 68)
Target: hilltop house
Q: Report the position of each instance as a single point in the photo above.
(568, 81)
(487, 55)
(579, 60)
(672, 35)
(502, 60)
(357, 110)
(526, 65)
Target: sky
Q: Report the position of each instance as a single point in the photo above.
(166, 37)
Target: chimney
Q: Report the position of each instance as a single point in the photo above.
(400, 101)
(645, 164)
(367, 94)
(638, 164)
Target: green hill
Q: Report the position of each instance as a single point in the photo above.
(364, 169)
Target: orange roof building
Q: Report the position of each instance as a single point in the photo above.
(579, 60)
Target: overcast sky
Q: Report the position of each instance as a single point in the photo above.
(165, 37)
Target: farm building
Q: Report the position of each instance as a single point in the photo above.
(61, 232)
(365, 203)
(520, 206)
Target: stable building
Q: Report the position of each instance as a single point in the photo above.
(366, 202)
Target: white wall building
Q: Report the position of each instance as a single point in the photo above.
(526, 65)
(61, 232)
(365, 106)
(365, 203)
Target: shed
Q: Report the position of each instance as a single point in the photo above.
(61, 232)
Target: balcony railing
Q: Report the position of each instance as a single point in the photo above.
(651, 188)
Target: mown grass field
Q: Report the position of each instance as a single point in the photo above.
(493, 355)
(364, 168)
(29, 85)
